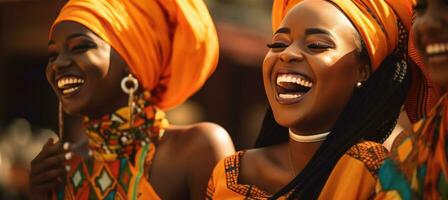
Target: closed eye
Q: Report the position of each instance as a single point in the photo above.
(81, 48)
(420, 7)
(319, 46)
(52, 56)
(277, 45)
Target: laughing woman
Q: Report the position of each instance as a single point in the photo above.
(335, 76)
(119, 64)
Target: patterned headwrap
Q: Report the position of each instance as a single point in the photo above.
(384, 26)
(170, 46)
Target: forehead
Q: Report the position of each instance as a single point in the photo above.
(65, 29)
(317, 13)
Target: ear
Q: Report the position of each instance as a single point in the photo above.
(126, 71)
(364, 72)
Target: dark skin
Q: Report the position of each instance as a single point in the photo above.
(322, 46)
(431, 33)
(48, 166)
(75, 51)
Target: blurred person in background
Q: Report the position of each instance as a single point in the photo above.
(418, 166)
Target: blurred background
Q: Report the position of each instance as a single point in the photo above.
(233, 97)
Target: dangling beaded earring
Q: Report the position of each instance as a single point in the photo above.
(359, 84)
(129, 85)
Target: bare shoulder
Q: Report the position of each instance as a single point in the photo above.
(202, 137)
(185, 158)
(199, 147)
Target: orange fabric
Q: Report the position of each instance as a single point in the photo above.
(170, 46)
(380, 38)
(423, 94)
(349, 180)
(353, 177)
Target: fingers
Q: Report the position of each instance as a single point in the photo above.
(50, 162)
(53, 175)
(50, 149)
(48, 169)
(46, 187)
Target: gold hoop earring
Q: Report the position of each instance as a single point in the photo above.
(129, 85)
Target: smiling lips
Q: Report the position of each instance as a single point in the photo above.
(437, 52)
(291, 87)
(69, 84)
(436, 48)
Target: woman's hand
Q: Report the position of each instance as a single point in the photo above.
(48, 169)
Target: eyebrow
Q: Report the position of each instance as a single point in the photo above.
(74, 35)
(283, 30)
(311, 31)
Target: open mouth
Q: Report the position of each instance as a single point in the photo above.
(436, 49)
(69, 84)
(291, 87)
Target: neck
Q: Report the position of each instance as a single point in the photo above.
(72, 128)
(301, 154)
(303, 147)
(115, 135)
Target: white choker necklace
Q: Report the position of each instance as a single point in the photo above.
(308, 138)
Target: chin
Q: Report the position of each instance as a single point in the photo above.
(440, 78)
(287, 119)
(72, 110)
(77, 107)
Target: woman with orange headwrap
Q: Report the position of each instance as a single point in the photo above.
(335, 77)
(119, 64)
(418, 165)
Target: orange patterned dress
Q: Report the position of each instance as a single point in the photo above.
(353, 177)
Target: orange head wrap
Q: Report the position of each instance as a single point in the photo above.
(170, 46)
(376, 21)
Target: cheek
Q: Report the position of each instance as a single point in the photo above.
(336, 79)
(336, 68)
(95, 64)
(49, 73)
(417, 36)
(268, 64)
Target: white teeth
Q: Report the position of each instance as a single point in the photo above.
(289, 96)
(291, 79)
(69, 80)
(436, 48)
(69, 90)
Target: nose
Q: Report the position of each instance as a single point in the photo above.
(291, 54)
(62, 61)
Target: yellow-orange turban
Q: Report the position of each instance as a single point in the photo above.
(375, 20)
(171, 46)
